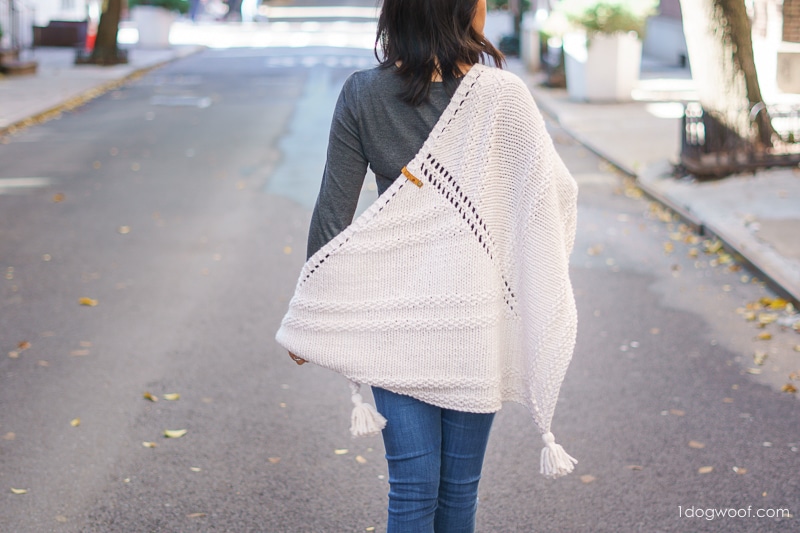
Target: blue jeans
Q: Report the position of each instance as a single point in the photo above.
(435, 458)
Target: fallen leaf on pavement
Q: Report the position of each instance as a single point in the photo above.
(13, 354)
(24, 345)
(75, 422)
(175, 433)
(195, 469)
(360, 460)
(196, 515)
(791, 389)
(635, 467)
(148, 444)
(705, 469)
(124, 230)
(10, 436)
(739, 470)
(764, 336)
(587, 478)
(58, 197)
(755, 371)
(79, 353)
(88, 302)
(677, 412)
(759, 358)
(340, 451)
(274, 460)
(696, 445)
(148, 396)
(19, 491)
(172, 396)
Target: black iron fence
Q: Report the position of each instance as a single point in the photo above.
(710, 149)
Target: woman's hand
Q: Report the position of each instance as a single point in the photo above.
(298, 360)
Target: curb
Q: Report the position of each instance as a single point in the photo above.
(772, 275)
(89, 95)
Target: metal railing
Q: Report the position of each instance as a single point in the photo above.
(710, 149)
(16, 20)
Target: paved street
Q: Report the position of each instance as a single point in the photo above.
(179, 203)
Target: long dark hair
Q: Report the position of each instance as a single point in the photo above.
(430, 37)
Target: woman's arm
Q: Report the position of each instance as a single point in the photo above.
(344, 173)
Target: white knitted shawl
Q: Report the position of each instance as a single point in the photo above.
(453, 287)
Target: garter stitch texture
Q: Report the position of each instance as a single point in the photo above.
(455, 292)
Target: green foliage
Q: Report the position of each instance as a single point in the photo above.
(503, 4)
(181, 6)
(609, 16)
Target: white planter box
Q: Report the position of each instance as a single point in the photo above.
(604, 71)
(154, 24)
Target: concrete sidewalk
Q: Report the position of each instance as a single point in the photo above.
(60, 84)
(755, 215)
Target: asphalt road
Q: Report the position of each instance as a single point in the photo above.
(180, 202)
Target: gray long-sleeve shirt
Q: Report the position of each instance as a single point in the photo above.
(371, 126)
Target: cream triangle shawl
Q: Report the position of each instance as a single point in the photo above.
(453, 287)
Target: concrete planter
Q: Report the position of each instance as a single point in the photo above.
(604, 69)
(154, 24)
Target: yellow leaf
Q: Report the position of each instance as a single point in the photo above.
(148, 396)
(58, 197)
(705, 469)
(797, 347)
(759, 358)
(87, 301)
(19, 491)
(287, 250)
(340, 451)
(172, 396)
(147, 444)
(696, 445)
(669, 247)
(693, 253)
(360, 460)
(75, 422)
(175, 433)
(778, 304)
(587, 478)
(789, 388)
(767, 318)
(370, 528)
(764, 336)
(274, 460)
(124, 230)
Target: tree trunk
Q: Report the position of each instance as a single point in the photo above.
(105, 50)
(719, 38)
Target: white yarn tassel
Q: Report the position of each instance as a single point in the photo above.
(555, 461)
(365, 420)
